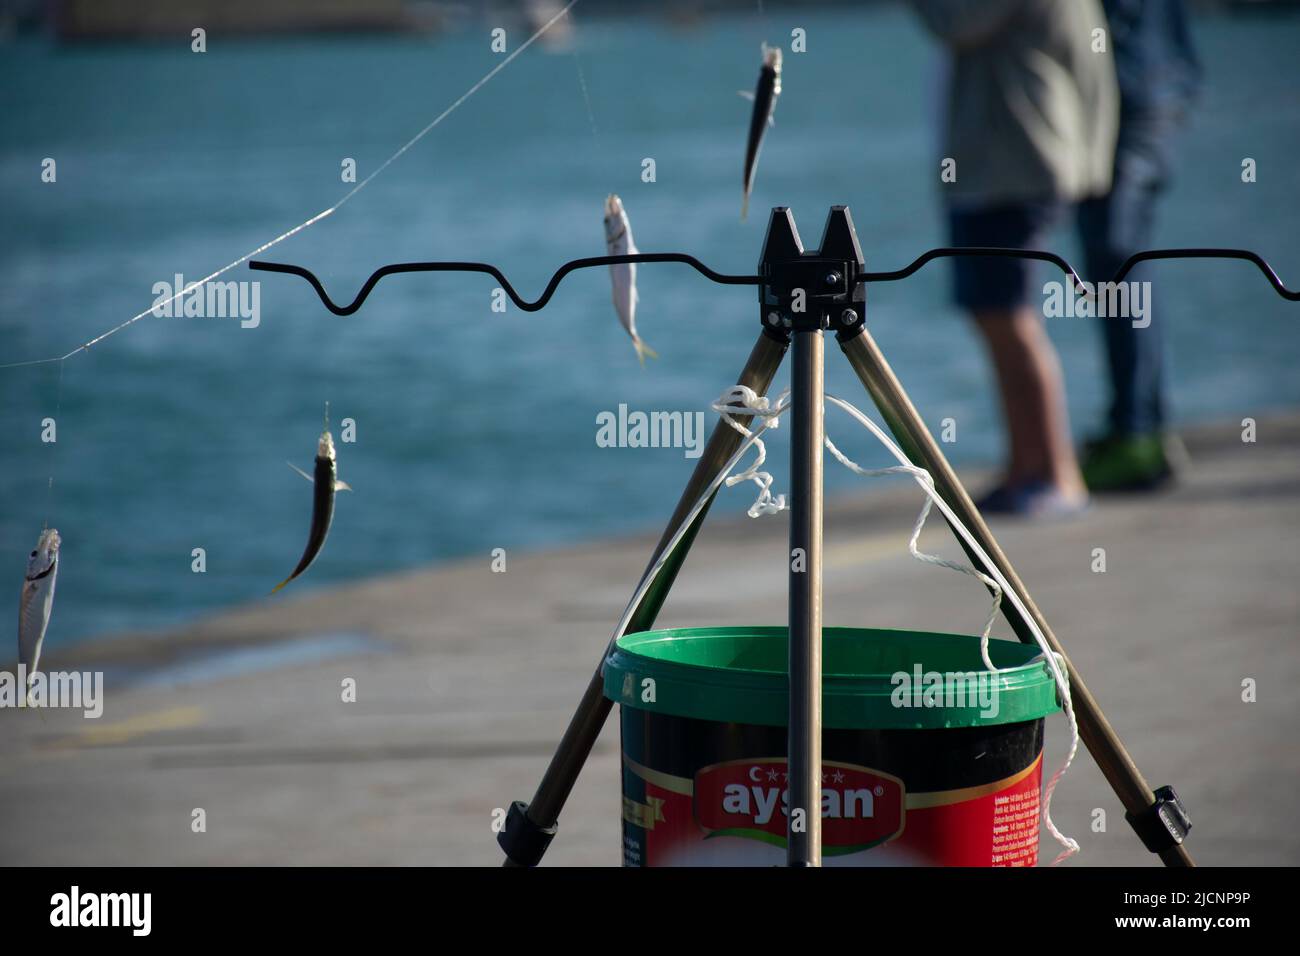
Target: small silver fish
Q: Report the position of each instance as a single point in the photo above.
(764, 98)
(618, 241)
(326, 483)
(37, 600)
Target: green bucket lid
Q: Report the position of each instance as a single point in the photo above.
(871, 678)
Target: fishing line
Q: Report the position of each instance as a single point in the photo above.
(586, 98)
(58, 409)
(320, 215)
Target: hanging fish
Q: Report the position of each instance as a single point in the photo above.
(618, 241)
(322, 508)
(764, 99)
(623, 276)
(37, 600)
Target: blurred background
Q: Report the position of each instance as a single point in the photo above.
(475, 429)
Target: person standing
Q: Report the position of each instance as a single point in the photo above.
(1030, 129)
(1158, 75)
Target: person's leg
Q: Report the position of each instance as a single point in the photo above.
(1042, 474)
(1130, 454)
(1032, 391)
(1114, 227)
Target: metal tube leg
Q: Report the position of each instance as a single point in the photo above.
(804, 828)
(919, 445)
(530, 827)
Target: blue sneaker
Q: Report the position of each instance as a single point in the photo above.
(1031, 499)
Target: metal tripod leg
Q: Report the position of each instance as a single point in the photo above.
(804, 749)
(530, 827)
(919, 445)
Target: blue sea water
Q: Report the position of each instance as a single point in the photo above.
(476, 430)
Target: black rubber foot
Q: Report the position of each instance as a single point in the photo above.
(1162, 825)
(524, 842)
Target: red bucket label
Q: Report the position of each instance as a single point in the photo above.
(736, 814)
(860, 807)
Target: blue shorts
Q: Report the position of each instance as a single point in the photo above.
(992, 282)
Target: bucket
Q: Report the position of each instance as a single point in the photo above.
(928, 759)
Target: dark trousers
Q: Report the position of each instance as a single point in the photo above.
(1112, 228)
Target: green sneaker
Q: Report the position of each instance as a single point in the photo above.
(1126, 463)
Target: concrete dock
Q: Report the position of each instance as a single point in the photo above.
(465, 679)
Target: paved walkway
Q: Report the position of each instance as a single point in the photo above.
(465, 679)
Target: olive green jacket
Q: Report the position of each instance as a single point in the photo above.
(1032, 109)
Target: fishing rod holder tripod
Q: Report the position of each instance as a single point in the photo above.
(802, 296)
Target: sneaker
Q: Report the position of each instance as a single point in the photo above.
(1032, 499)
(1126, 463)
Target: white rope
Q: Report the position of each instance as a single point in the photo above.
(923, 477)
(769, 414)
(760, 407)
(1054, 661)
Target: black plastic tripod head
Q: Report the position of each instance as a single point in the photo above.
(819, 289)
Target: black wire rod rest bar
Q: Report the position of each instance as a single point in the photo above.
(724, 279)
(496, 273)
